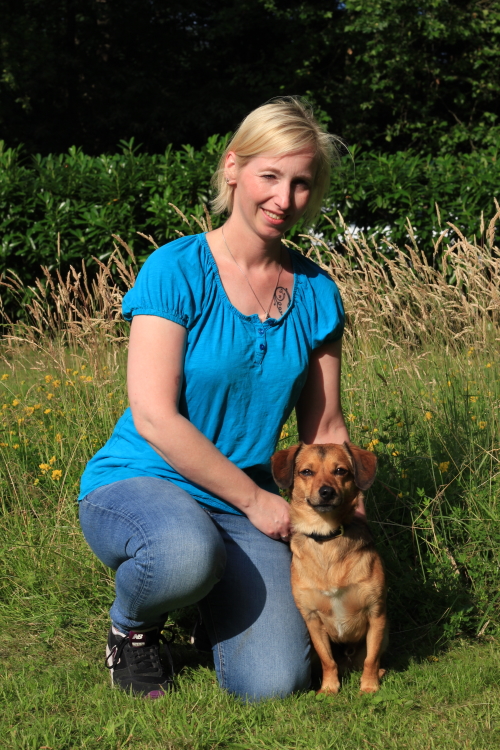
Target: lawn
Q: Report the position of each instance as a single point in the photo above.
(420, 388)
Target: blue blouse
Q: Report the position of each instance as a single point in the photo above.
(242, 377)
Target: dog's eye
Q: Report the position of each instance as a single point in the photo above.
(340, 472)
(306, 473)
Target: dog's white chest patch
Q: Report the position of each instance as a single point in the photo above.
(339, 614)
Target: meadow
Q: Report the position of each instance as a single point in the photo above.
(421, 389)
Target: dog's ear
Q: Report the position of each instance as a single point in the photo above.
(282, 464)
(364, 465)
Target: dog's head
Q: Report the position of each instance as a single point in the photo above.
(325, 477)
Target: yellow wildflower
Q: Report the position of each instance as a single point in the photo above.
(482, 425)
(16, 402)
(83, 367)
(29, 410)
(488, 365)
(400, 494)
(473, 399)
(47, 411)
(349, 375)
(444, 466)
(371, 445)
(57, 474)
(351, 418)
(50, 395)
(88, 379)
(470, 351)
(400, 424)
(52, 460)
(44, 468)
(4, 445)
(75, 372)
(69, 382)
(16, 446)
(5, 376)
(56, 383)
(20, 421)
(37, 406)
(449, 383)
(404, 474)
(5, 406)
(37, 481)
(48, 378)
(395, 453)
(390, 445)
(473, 417)
(428, 415)
(283, 434)
(58, 438)
(120, 401)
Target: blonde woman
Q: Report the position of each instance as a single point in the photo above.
(230, 331)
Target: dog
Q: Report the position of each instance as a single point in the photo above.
(338, 580)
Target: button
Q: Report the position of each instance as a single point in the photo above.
(263, 347)
(261, 331)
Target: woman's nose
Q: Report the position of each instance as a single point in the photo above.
(283, 196)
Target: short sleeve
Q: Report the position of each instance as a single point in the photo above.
(322, 301)
(331, 316)
(167, 283)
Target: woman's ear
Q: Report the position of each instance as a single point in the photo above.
(283, 464)
(230, 168)
(364, 465)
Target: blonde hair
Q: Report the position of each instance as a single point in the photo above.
(283, 125)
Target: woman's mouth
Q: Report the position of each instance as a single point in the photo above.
(274, 217)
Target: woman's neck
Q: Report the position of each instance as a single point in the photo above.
(248, 248)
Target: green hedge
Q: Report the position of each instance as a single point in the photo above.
(84, 200)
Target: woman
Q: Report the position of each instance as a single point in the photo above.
(230, 331)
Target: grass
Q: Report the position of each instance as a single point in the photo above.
(420, 388)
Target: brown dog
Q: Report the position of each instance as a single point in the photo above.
(338, 578)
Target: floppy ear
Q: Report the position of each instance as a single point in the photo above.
(364, 465)
(282, 464)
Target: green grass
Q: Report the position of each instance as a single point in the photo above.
(432, 419)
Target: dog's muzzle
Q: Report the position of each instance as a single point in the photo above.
(326, 499)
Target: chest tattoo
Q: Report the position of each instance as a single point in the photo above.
(281, 299)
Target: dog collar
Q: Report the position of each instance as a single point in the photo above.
(327, 537)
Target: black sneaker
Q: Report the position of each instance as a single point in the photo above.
(136, 664)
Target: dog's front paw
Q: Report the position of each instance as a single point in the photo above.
(329, 688)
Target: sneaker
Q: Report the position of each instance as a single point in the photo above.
(136, 664)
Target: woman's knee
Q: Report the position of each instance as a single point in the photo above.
(269, 680)
(162, 544)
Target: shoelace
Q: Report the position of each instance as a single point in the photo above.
(147, 656)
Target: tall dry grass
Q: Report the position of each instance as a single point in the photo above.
(391, 294)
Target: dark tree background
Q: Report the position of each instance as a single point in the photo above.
(384, 73)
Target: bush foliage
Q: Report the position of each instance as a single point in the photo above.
(59, 209)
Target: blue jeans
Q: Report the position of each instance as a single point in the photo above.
(169, 552)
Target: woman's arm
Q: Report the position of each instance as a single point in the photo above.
(319, 411)
(154, 376)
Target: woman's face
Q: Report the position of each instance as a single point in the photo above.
(271, 192)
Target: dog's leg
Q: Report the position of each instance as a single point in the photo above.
(376, 639)
(321, 642)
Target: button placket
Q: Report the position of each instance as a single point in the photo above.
(261, 343)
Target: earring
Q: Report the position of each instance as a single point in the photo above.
(227, 180)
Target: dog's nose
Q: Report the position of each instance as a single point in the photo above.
(326, 493)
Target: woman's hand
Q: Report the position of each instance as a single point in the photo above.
(270, 514)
